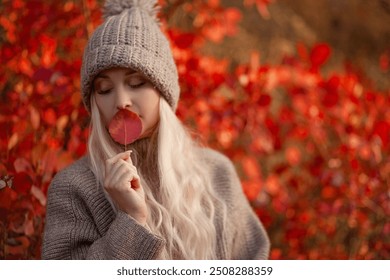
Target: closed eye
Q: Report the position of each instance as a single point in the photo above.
(103, 92)
(137, 85)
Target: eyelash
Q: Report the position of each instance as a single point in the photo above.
(102, 92)
(137, 85)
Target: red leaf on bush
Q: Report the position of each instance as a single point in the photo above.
(264, 100)
(184, 40)
(302, 51)
(319, 55)
(50, 117)
(22, 183)
(7, 197)
(251, 189)
(272, 184)
(251, 167)
(232, 16)
(382, 129)
(331, 97)
(262, 6)
(293, 155)
(125, 127)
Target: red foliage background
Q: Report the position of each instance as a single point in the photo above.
(312, 150)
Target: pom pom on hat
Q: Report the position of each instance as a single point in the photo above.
(116, 7)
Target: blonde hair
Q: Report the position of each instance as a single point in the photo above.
(178, 186)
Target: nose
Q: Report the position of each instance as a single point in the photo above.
(123, 99)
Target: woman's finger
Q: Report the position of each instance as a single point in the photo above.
(125, 155)
(121, 181)
(115, 170)
(129, 160)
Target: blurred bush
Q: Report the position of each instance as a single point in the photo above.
(310, 141)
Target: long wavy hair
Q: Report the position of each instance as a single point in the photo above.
(180, 197)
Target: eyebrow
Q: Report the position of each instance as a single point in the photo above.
(128, 73)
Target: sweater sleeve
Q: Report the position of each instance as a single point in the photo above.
(71, 231)
(249, 240)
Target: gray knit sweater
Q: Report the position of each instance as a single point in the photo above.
(81, 223)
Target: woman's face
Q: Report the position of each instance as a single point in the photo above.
(123, 88)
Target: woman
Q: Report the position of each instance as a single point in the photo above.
(160, 195)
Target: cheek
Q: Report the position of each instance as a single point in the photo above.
(150, 111)
(154, 111)
(104, 110)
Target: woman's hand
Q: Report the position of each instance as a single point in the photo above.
(123, 185)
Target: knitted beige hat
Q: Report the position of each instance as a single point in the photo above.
(130, 37)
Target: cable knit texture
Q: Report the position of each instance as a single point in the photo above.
(81, 224)
(130, 37)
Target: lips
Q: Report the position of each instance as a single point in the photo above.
(125, 127)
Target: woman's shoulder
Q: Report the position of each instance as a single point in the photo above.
(78, 173)
(216, 160)
(222, 171)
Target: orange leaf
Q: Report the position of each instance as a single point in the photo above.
(251, 167)
(272, 184)
(13, 141)
(293, 155)
(251, 189)
(34, 116)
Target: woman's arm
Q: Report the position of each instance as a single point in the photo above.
(72, 232)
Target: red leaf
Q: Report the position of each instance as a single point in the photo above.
(50, 116)
(264, 100)
(272, 184)
(7, 197)
(293, 155)
(251, 189)
(125, 127)
(319, 55)
(22, 182)
(331, 97)
(262, 6)
(382, 129)
(185, 40)
(302, 51)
